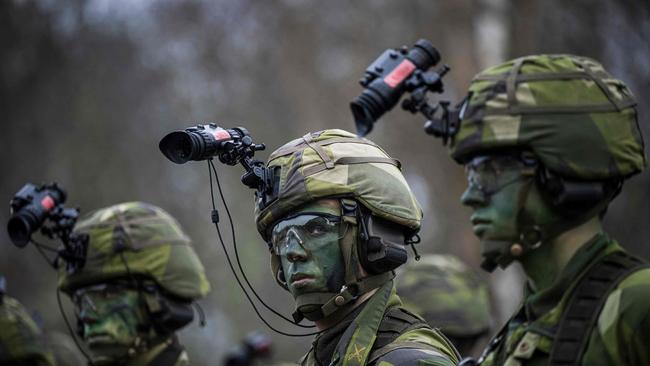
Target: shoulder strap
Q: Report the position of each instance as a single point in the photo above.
(397, 321)
(585, 304)
(169, 355)
(356, 342)
(377, 354)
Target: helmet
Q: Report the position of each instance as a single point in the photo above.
(337, 163)
(370, 186)
(555, 106)
(578, 122)
(137, 238)
(21, 340)
(448, 295)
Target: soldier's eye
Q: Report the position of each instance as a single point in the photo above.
(317, 227)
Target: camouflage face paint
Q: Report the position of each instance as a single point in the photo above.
(112, 318)
(495, 215)
(493, 192)
(489, 174)
(306, 229)
(308, 245)
(494, 183)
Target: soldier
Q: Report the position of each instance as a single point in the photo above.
(137, 286)
(547, 142)
(336, 224)
(450, 295)
(21, 340)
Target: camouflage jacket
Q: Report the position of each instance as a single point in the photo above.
(619, 337)
(170, 353)
(381, 332)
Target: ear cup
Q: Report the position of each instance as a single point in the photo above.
(571, 197)
(168, 315)
(381, 245)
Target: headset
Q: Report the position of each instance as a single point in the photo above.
(381, 243)
(381, 247)
(572, 198)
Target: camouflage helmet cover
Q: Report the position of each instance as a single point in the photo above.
(336, 163)
(21, 340)
(447, 294)
(574, 116)
(146, 239)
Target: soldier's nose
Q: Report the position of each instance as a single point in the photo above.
(473, 197)
(295, 250)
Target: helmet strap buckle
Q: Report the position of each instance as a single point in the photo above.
(349, 211)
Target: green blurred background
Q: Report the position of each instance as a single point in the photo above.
(88, 88)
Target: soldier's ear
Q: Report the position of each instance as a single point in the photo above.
(280, 277)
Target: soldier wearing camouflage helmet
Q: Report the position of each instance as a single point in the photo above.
(336, 224)
(547, 142)
(137, 286)
(21, 340)
(447, 293)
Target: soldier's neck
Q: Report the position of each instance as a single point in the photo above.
(544, 264)
(333, 319)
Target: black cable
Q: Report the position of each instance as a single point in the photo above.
(232, 267)
(241, 269)
(72, 333)
(132, 278)
(199, 310)
(40, 247)
(47, 247)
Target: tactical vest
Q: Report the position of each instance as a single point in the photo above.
(374, 333)
(580, 315)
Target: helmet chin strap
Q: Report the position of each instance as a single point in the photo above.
(319, 305)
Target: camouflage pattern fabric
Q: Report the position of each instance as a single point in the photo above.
(620, 336)
(21, 340)
(66, 352)
(446, 293)
(356, 342)
(554, 106)
(157, 357)
(337, 163)
(149, 240)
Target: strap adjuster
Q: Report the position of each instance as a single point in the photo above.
(349, 208)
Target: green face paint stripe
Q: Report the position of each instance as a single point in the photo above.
(117, 316)
(320, 256)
